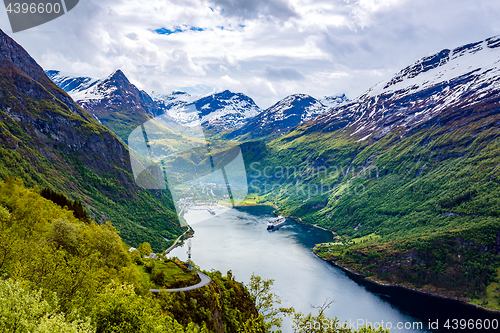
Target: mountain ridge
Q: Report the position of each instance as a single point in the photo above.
(284, 115)
(449, 79)
(217, 112)
(48, 141)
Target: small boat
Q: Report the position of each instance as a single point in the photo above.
(211, 211)
(276, 223)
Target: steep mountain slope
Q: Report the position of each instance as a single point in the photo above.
(443, 109)
(47, 140)
(114, 102)
(70, 83)
(216, 112)
(415, 157)
(284, 115)
(414, 97)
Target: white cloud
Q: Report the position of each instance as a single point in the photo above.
(266, 49)
(283, 73)
(244, 9)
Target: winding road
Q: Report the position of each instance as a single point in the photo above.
(204, 281)
(176, 241)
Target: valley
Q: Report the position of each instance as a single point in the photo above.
(405, 177)
(413, 161)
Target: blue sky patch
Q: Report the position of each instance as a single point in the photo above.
(165, 31)
(184, 28)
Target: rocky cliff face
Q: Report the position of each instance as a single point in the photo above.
(13, 56)
(47, 140)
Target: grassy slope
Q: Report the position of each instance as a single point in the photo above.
(167, 274)
(45, 248)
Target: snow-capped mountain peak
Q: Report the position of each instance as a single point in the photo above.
(114, 101)
(474, 58)
(219, 111)
(334, 101)
(301, 105)
(449, 81)
(305, 106)
(285, 115)
(71, 83)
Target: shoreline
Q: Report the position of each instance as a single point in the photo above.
(359, 276)
(297, 219)
(351, 273)
(251, 205)
(177, 243)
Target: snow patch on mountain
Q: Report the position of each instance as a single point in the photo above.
(97, 92)
(448, 80)
(301, 105)
(333, 101)
(286, 115)
(176, 106)
(220, 111)
(304, 106)
(71, 83)
(475, 58)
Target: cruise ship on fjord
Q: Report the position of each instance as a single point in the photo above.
(276, 223)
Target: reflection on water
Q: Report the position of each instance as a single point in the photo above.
(239, 241)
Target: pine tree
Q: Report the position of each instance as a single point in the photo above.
(61, 200)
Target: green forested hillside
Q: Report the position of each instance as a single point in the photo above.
(59, 274)
(460, 264)
(81, 278)
(81, 273)
(48, 141)
(433, 180)
(429, 182)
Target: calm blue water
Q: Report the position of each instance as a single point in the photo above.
(239, 241)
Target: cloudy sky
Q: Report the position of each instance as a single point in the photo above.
(267, 49)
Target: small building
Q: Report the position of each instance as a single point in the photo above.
(152, 256)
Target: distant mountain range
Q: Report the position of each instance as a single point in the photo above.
(221, 111)
(285, 115)
(119, 105)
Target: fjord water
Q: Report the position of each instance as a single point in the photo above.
(239, 241)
